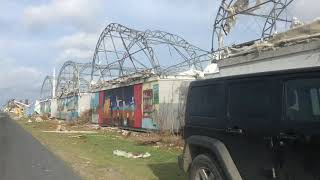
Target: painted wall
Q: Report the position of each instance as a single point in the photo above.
(45, 108)
(150, 105)
(156, 105)
(120, 106)
(68, 108)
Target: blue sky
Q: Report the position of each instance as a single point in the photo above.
(38, 35)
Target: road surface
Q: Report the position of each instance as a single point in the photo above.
(22, 157)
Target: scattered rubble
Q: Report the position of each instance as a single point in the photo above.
(125, 133)
(95, 127)
(135, 155)
(78, 136)
(61, 128)
(72, 132)
(38, 119)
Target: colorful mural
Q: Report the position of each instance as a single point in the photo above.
(130, 106)
(150, 105)
(119, 107)
(68, 108)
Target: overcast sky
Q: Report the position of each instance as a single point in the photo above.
(38, 35)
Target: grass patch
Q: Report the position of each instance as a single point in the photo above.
(91, 155)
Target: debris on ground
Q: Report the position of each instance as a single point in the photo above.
(78, 136)
(38, 119)
(29, 121)
(125, 133)
(61, 128)
(94, 126)
(131, 155)
(72, 132)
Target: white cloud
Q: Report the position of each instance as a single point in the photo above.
(168, 11)
(77, 13)
(13, 75)
(18, 81)
(76, 47)
(79, 40)
(74, 55)
(306, 10)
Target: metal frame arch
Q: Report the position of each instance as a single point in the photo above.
(68, 79)
(277, 10)
(230, 9)
(126, 55)
(111, 27)
(192, 55)
(46, 89)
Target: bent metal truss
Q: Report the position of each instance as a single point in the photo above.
(268, 17)
(125, 52)
(73, 78)
(46, 88)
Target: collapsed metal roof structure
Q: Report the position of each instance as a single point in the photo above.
(269, 17)
(73, 78)
(124, 54)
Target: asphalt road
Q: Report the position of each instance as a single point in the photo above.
(22, 157)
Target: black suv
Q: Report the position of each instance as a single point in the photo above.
(254, 127)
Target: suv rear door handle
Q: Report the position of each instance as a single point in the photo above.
(234, 130)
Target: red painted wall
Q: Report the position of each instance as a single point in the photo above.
(138, 104)
(101, 105)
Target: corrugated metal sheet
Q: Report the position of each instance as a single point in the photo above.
(94, 107)
(100, 109)
(54, 108)
(45, 107)
(172, 101)
(84, 103)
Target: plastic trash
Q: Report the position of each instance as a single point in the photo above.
(130, 154)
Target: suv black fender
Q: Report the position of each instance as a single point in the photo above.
(196, 145)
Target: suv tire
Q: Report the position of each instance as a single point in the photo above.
(204, 167)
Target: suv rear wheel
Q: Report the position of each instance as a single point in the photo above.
(204, 167)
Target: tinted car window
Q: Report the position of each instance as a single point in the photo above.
(206, 100)
(303, 100)
(249, 101)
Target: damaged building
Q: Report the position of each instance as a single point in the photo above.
(137, 79)
(140, 79)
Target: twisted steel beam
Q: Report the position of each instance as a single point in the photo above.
(122, 51)
(73, 78)
(46, 88)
